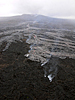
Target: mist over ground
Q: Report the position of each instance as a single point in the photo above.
(47, 36)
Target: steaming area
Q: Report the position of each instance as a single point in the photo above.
(45, 43)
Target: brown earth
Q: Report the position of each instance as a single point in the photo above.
(23, 79)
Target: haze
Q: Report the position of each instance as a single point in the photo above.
(52, 8)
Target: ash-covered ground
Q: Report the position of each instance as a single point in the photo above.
(37, 58)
